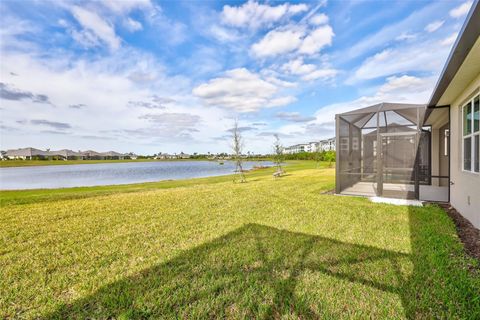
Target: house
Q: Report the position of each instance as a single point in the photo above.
(457, 94)
(164, 156)
(183, 156)
(312, 147)
(426, 152)
(131, 156)
(112, 155)
(327, 145)
(297, 148)
(66, 154)
(26, 154)
(92, 155)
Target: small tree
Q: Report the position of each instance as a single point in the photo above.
(278, 153)
(237, 147)
(330, 157)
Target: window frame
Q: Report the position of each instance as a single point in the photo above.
(471, 104)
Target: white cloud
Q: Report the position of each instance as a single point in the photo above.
(434, 26)
(293, 38)
(132, 25)
(223, 34)
(316, 40)
(308, 72)
(123, 7)
(293, 117)
(385, 35)
(403, 89)
(278, 42)
(411, 57)
(85, 38)
(255, 15)
(173, 31)
(104, 89)
(324, 74)
(318, 19)
(242, 91)
(448, 41)
(11, 28)
(461, 10)
(97, 26)
(297, 67)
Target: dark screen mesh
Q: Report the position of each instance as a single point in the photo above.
(378, 149)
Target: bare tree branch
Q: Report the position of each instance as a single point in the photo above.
(237, 147)
(278, 155)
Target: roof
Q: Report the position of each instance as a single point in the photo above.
(390, 114)
(25, 152)
(29, 152)
(65, 153)
(91, 153)
(384, 106)
(452, 72)
(111, 154)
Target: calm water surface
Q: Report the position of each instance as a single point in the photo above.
(64, 176)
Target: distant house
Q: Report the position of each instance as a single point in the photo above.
(183, 156)
(165, 156)
(66, 154)
(131, 155)
(26, 154)
(312, 147)
(92, 155)
(427, 152)
(328, 144)
(112, 155)
(323, 145)
(297, 148)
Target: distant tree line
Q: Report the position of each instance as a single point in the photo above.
(317, 156)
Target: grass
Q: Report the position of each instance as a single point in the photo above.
(208, 248)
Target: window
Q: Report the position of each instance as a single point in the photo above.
(471, 135)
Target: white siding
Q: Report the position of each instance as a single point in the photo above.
(465, 191)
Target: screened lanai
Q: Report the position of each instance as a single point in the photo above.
(383, 150)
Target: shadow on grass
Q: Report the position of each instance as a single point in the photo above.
(262, 272)
(254, 271)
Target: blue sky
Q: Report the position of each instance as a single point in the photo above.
(148, 76)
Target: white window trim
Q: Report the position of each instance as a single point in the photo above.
(472, 135)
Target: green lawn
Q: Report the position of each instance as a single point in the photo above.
(208, 248)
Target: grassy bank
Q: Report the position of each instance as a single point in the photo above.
(208, 248)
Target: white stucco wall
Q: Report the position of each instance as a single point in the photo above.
(465, 192)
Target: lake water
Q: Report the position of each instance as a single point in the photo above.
(65, 176)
